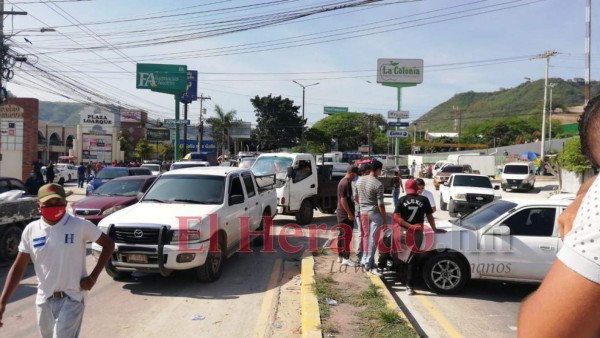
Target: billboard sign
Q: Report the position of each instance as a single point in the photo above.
(131, 116)
(174, 121)
(191, 93)
(162, 78)
(158, 134)
(400, 71)
(398, 124)
(240, 129)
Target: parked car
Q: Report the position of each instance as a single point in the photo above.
(404, 171)
(9, 183)
(109, 173)
(155, 169)
(57, 174)
(67, 170)
(15, 214)
(444, 175)
(339, 169)
(518, 176)
(387, 174)
(513, 240)
(188, 164)
(114, 195)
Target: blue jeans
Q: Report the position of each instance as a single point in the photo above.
(395, 194)
(80, 180)
(60, 317)
(375, 222)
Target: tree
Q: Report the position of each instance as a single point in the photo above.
(221, 125)
(279, 123)
(168, 152)
(571, 157)
(143, 149)
(125, 147)
(351, 131)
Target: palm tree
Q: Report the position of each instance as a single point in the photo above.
(221, 125)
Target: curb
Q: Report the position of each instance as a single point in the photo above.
(311, 318)
(389, 300)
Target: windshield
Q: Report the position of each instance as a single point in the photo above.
(107, 174)
(187, 189)
(452, 169)
(483, 216)
(119, 188)
(516, 169)
(269, 165)
(472, 181)
(152, 167)
(247, 162)
(187, 165)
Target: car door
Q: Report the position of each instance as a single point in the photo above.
(237, 206)
(254, 205)
(445, 190)
(304, 183)
(532, 244)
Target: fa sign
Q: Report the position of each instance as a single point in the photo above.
(147, 80)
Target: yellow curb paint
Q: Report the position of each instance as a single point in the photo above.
(389, 299)
(442, 320)
(311, 318)
(264, 317)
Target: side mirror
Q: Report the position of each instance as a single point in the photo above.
(502, 230)
(291, 173)
(236, 199)
(447, 183)
(496, 187)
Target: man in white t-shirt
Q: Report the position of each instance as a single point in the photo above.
(567, 304)
(421, 190)
(56, 244)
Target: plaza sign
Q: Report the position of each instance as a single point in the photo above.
(400, 71)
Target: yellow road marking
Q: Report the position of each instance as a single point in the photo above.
(442, 320)
(264, 317)
(311, 318)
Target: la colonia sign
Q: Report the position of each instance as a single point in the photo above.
(399, 70)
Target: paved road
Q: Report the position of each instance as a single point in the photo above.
(244, 302)
(484, 308)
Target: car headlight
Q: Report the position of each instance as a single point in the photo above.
(70, 210)
(104, 229)
(113, 209)
(460, 197)
(503, 181)
(192, 235)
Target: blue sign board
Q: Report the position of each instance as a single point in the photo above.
(207, 146)
(191, 93)
(398, 124)
(397, 133)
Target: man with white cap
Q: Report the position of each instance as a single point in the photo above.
(56, 244)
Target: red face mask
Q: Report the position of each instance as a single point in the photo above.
(54, 214)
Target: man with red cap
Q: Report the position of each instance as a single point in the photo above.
(413, 208)
(56, 244)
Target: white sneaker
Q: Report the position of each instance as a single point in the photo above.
(349, 263)
(339, 259)
(410, 291)
(376, 272)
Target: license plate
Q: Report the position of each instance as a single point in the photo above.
(514, 187)
(137, 258)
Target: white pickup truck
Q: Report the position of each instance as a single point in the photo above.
(189, 218)
(463, 193)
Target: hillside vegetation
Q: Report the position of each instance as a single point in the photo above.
(525, 100)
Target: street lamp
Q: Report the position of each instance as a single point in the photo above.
(303, 96)
(414, 138)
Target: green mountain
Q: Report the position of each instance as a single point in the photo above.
(525, 100)
(60, 112)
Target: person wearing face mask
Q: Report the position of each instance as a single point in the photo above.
(56, 244)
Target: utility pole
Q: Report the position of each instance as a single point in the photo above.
(550, 118)
(588, 46)
(547, 55)
(201, 127)
(368, 137)
(303, 96)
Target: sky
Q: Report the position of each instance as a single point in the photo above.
(466, 45)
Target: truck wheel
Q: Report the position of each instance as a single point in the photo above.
(445, 273)
(305, 214)
(451, 211)
(443, 205)
(211, 270)
(114, 273)
(9, 242)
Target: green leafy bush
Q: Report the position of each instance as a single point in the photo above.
(571, 157)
